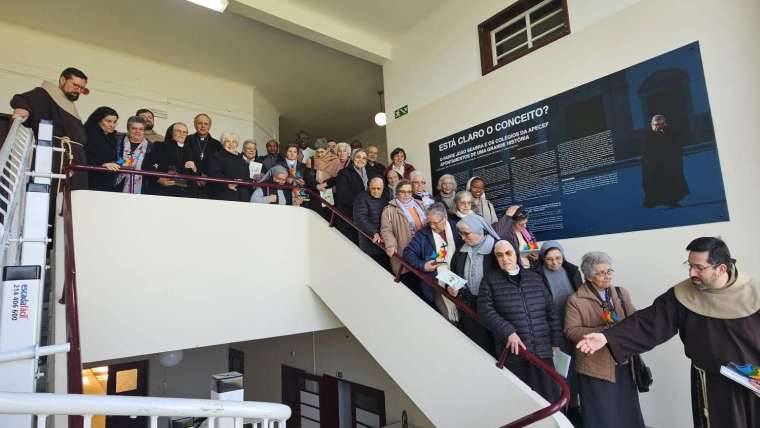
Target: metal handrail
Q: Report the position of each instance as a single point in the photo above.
(530, 357)
(15, 159)
(44, 405)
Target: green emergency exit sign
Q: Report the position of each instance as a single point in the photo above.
(401, 111)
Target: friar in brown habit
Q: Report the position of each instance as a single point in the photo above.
(716, 312)
(56, 103)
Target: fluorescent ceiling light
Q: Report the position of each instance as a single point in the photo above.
(217, 5)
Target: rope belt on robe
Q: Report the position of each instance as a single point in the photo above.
(66, 143)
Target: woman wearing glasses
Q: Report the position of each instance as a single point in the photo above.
(607, 390)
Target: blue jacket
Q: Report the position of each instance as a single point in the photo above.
(422, 245)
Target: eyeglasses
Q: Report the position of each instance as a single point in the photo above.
(699, 268)
(607, 272)
(404, 192)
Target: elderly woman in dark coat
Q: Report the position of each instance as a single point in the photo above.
(516, 306)
(101, 147)
(431, 249)
(228, 164)
(368, 207)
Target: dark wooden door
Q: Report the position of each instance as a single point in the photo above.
(127, 379)
(367, 407)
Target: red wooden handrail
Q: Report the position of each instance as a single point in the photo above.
(69, 297)
(75, 364)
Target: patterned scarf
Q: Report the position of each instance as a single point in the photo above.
(132, 160)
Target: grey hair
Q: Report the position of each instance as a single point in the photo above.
(446, 177)
(373, 179)
(344, 145)
(277, 170)
(320, 143)
(356, 151)
(249, 142)
(461, 195)
(659, 117)
(438, 210)
(414, 174)
(590, 260)
(229, 135)
(135, 119)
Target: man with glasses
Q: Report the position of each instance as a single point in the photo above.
(56, 103)
(716, 312)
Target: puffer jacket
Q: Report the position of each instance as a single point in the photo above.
(367, 211)
(521, 304)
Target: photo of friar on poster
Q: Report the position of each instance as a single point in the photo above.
(633, 150)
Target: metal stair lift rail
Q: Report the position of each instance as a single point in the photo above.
(262, 415)
(314, 195)
(24, 209)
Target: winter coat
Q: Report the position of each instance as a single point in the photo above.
(367, 211)
(422, 245)
(519, 304)
(349, 184)
(396, 230)
(583, 315)
(101, 149)
(229, 166)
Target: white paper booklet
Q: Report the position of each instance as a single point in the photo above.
(446, 276)
(562, 363)
(327, 195)
(254, 168)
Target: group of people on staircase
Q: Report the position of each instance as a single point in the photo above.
(523, 298)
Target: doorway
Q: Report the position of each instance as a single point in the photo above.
(117, 379)
(327, 401)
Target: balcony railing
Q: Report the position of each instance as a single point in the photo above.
(75, 365)
(261, 415)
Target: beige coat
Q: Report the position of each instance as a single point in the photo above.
(583, 315)
(396, 230)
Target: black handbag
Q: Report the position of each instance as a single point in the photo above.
(641, 373)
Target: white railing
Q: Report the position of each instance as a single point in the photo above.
(262, 415)
(15, 158)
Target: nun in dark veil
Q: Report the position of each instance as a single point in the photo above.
(174, 156)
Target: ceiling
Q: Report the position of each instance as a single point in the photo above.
(315, 87)
(385, 19)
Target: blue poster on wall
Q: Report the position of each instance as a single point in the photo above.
(633, 150)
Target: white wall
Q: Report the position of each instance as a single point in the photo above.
(157, 274)
(450, 378)
(323, 352)
(453, 98)
(374, 135)
(266, 124)
(441, 53)
(127, 82)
